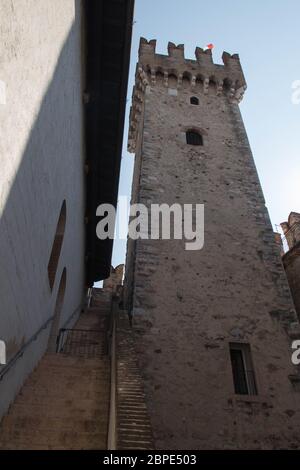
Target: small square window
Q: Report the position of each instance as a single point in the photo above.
(194, 100)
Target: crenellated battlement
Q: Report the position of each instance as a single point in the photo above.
(175, 71)
(228, 76)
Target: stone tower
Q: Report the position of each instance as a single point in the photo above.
(213, 327)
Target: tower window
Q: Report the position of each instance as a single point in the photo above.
(194, 100)
(242, 369)
(194, 138)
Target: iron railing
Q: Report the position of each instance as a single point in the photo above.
(79, 342)
(5, 369)
(21, 351)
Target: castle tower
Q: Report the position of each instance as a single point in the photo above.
(213, 327)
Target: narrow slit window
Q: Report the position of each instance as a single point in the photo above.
(194, 138)
(57, 244)
(242, 369)
(194, 100)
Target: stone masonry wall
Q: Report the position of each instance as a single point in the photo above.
(291, 259)
(291, 262)
(187, 306)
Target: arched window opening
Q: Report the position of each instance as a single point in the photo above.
(194, 100)
(172, 80)
(213, 83)
(159, 76)
(186, 80)
(194, 138)
(57, 312)
(199, 81)
(227, 84)
(57, 244)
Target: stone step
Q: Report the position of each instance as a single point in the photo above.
(64, 360)
(86, 370)
(100, 305)
(73, 371)
(41, 397)
(84, 363)
(45, 386)
(95, 324)
(57, 401)
(63, 423)
(56, 380)
(54, 439)
(84, 366)
(133, 423)
(59, 377)
(84, 399)
(98, 309)
(44, 416)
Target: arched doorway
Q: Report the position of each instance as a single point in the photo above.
(57, 312)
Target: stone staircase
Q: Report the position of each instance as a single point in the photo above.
(134, 430)
(64, 404)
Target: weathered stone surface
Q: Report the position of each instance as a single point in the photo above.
(234, 289)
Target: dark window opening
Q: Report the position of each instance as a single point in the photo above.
(194, 138)
(194, 100)
(57, 244)
(242, 369)
(57, 312)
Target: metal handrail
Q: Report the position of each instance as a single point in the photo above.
(80, 329)
(112, 425)
(89, 297)
(21, 351)
(80, 307)
(78, 337)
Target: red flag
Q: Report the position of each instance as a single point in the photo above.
(210, 46)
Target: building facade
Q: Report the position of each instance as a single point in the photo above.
(213, 327)
(42, 160)
(61, 117)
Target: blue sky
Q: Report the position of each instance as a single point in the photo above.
(265, 33)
